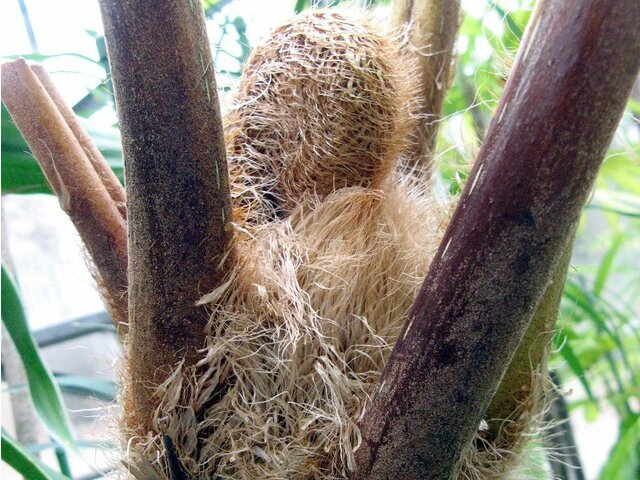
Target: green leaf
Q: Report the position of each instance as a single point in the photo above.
(45, 393)
(24, 462)
(22, 174)
(79, 385)
(585, 301)
(592, 306)
(300, 6)
(591, 411)
(618, 202)
(605, 265)
(81, 444)
(87, 386)
(513, 27)
(624, 458)
(93, 101)
(634, 106)
(63, 461)
(576, 367)
(620, 172)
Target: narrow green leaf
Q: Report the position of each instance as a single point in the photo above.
(590, 304)
(63, 461)
(605, 265)
(21, 173)
(25, 463)
(576, 367)
(513, 27)
(81, 444)
(300, 6)
(103, 389)
(621, 203)
(591, 411)
(581, 298)
(45, 393)
(620, 172)
(79, 385)
(93, 101)
(624, 458)
(634, 106)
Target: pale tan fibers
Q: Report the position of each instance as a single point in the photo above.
(333, 243)
(325, 103)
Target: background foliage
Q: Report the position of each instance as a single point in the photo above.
(597, 353)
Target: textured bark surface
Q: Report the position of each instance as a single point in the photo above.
(79, 188)
(176, 181)
(516, 387)
(429, 29)
(559, 111)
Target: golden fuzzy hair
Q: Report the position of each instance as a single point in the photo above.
(325, 103)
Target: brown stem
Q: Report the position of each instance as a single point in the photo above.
(80, 190)
(178, 200)
(516, 393)
(559, 111)
(429, 28)
(108, 178)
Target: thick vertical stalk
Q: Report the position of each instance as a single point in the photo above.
(176, 181)
(429, 29)
(561, 105)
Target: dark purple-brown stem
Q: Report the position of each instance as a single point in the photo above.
(429, 29)
(72, 176)
(178, 202)
(561, 105)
